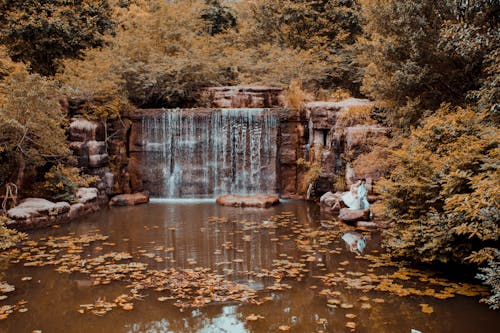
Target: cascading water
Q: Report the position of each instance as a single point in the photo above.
(205, 154)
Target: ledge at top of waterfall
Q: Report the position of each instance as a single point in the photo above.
(257, 200)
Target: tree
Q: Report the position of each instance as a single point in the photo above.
(325, 28)
(32, 124)
(218, 17)
(41, 33)
(418, 54)
(157, 58)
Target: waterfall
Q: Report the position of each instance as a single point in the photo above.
(201, 153)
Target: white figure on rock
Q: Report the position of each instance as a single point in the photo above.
(362, 195)
(350, 198)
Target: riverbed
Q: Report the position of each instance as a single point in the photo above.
(193, 266)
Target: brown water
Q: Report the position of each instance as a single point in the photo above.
(197, 241)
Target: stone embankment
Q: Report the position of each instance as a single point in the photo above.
(33, 213)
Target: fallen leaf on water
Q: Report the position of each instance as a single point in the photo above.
(284, 328)
(253, 317)
(426, 308)
(351, 325)
(378, 300)
(128, 306)
(346, 306)
(366, 306)
(350, 315)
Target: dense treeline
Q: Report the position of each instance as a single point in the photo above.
(431, 66)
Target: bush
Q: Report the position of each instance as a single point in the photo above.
(490, 275)
(295, 96)
(32, 124)
(442, 195)
(356, 115)
(377, 162)
(62, 182)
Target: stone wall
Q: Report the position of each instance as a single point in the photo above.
(334, 147)
(243, 97)
(88, 143)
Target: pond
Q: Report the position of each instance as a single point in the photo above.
(193, 266)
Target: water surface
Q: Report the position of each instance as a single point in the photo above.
(232, 243)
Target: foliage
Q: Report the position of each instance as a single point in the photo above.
(8, 237)
(322, 27)
(62, 182)
(295, 96)
(158, 58)
(490, 275)
(422, 53)
(377, 161)
(94, 86)
(355, 115)
(313, 171)
(41, 33)
(32, 123)
(218, 17)
(442, 195)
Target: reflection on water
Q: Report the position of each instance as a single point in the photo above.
(202, 234)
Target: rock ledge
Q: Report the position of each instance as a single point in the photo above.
(258, 200)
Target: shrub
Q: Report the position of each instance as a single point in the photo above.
(295, 96)
(356, 115)
(442, 195)
(490, 275)
(62, 182)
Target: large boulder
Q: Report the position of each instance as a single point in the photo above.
(83, 130)
(353, 215)
(34, 213)
(129, 199)
(258, 200)
(86, 194)
(331, 201)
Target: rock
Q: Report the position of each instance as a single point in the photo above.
(96, 147)
(359, 135)
(80, 209)
(349, 215)
(36, 213)
(258, 200)
(350, 176)
(84, 130)
(129, 199)
(98, 161)
(366, 224)
(86, 194)
(243, 97)
(331, 200)
(35, 207)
